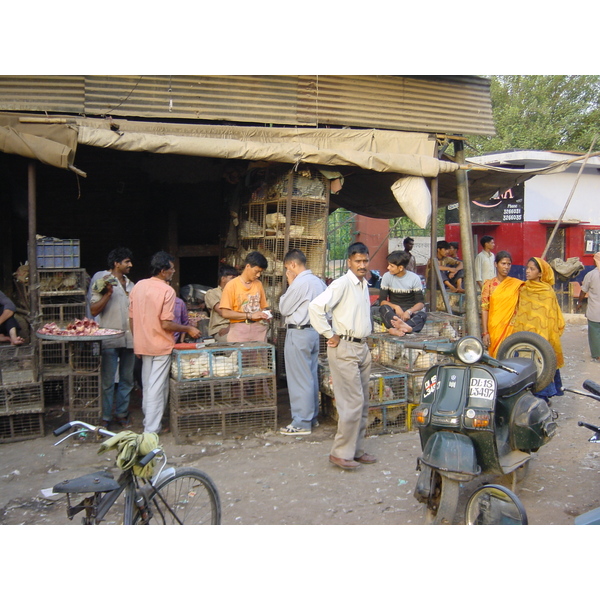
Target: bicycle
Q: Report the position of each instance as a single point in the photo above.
(172, 496)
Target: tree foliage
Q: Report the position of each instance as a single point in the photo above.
(542, 112)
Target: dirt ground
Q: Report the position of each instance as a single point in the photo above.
(271, 479)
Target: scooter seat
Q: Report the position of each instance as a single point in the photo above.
(512, 383)
(94, 482)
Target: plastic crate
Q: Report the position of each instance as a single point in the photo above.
(222, 394)
(189, 426)
(53, 253)
(391, 351)
(16, 428)
(58, 283)
(228, 360)
(17, 365)
(16, 399)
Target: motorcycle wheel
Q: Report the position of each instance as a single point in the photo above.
(527, 344)
(441, 508)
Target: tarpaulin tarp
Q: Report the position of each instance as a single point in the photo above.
(53, 144)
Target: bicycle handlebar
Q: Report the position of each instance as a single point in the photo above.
(64, 428)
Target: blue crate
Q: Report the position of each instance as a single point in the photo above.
(223, 360)
(53, 253)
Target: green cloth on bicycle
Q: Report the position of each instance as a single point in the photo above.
(131, 447)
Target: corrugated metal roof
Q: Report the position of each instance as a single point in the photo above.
(450, 105)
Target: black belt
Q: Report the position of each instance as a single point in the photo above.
(290, 326)
(353, 339)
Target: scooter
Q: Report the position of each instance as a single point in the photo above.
(591, 517)
(479, 416)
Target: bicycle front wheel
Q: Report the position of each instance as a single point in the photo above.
(188, 498)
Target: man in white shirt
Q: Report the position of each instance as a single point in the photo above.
(347, 300)
(485, 267)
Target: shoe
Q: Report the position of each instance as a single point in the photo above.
(366, 459)
(124, 422)
(343, 463)
(105, 424)
(291, 430)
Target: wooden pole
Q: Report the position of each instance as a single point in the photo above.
(34, 305)
(466, 244)
(432, 283)
(562, 214)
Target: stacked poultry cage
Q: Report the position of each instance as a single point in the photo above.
(71, 370)
(391, 351)
(21, 395)
(223, 390)
(287, 211)
(388, 396)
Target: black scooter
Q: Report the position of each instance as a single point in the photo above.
(479, 416)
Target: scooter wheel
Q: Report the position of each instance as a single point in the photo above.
(527, 344)
(442, 507)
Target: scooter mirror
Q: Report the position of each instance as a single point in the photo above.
(495, 505)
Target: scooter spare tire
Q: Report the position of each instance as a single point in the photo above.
(527, 344)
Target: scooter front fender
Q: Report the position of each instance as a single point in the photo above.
(453, 454)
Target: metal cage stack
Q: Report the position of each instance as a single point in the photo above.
(288, 211)
(223, 390)
(388, 398)
(21, 395)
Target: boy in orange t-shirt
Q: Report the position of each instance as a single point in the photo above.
(243, 302)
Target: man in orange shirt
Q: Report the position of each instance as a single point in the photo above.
(151, 314)
(243, 302)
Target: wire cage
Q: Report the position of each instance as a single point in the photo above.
(54, 357)
(388, 418)
(227, 360)
(56, 391)
(443, 325)
(60, 283)
(391, 351)
(63, 312)
(19, 427)
(187, 427)
(21, 398)
(18, 364)
(85, 356)
(224, 394)
(85, 391)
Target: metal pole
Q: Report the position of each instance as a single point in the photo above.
(466, 243)
(562, 214)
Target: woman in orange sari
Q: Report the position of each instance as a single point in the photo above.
(499, 297)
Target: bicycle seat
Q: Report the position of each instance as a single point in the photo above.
(100, 481)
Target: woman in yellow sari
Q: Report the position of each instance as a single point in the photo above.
(499, 297)
(538, 308)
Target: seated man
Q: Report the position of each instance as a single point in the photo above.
(9, 327)
(449, 267)
(401, 290)
(452, 260)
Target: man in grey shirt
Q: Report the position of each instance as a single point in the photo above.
(109, 305)
(347, 299)
(301, 349)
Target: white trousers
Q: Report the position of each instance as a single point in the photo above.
(155, 393)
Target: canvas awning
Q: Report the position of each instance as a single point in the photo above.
(371, 161)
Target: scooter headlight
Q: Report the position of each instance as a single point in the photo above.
(469, 350)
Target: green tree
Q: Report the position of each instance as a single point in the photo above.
(542, 112)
